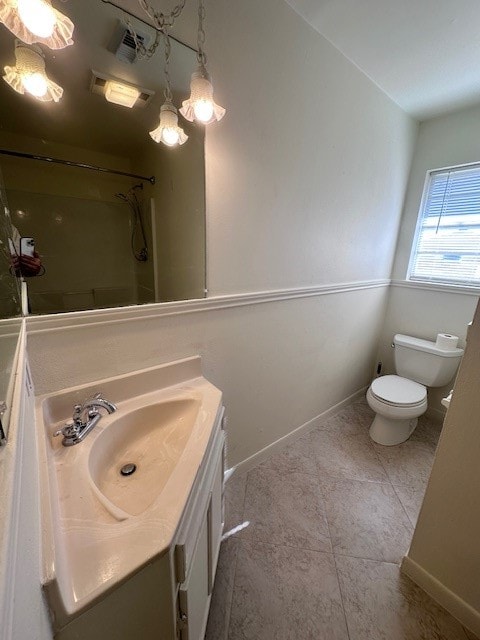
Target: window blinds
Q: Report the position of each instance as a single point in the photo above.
(447, 247)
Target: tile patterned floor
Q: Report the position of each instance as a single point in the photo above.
(330, 518)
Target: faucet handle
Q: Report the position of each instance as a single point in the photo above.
(77, 413)
(69, 430)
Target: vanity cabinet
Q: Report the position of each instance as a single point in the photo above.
(198, 545)
(169, 598)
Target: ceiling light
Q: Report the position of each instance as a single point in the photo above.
(121, 94)
(119, 91)
(201, 105)
(28, 75)
(38, 16)
(168, 130)
(37, 21)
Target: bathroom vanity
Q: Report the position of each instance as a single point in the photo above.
(134, 556)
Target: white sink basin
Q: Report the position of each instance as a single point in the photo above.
(100, 527)
(152, 438)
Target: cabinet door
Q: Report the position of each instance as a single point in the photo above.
(194, 594)
(197, 555)
(215, 522)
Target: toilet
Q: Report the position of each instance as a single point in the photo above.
(399, 400)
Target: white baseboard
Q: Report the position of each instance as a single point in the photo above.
(467, 615)
(272, 448)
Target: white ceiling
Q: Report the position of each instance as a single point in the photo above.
(424, 54)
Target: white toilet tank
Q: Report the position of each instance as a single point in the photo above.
(422, 361)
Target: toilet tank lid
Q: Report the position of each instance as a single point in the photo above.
(425, 345)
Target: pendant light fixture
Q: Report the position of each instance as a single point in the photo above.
(168, 130)
(201, 105)
(28, 75)
(36, 21)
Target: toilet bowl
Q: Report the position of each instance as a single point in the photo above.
(398, 402)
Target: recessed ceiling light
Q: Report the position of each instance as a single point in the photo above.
(121, 94)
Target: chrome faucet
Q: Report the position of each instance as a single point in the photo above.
(85, 417)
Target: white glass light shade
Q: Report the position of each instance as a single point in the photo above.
(29, 76)
(38, 16)
(168, 130)
(36, 84)
(36, 21)
(201, 106)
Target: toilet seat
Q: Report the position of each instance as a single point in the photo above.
(398, 392)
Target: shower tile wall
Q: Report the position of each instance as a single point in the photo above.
(85, 249)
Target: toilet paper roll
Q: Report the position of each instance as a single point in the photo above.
(446, 341)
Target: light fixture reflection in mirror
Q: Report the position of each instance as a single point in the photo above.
(88, 257)
(38, 16)
(28, 75)
(37, 21)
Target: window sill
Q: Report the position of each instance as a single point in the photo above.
(436, 286)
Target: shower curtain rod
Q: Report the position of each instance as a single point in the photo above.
(80, 165)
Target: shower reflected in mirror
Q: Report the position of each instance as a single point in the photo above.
(90, 238)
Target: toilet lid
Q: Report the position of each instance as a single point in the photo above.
(398, 390)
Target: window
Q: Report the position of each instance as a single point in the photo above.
(446, 248)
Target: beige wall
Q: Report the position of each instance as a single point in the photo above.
(444, 556)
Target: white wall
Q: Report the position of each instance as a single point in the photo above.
(279, 364)
(444, 141)
(22, 610)
(443, 557)
(306, 173)
(305, 183)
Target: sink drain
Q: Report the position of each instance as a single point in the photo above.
(128, 469)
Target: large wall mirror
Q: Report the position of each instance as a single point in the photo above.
(10, 311)
(104, 238)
